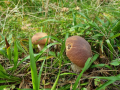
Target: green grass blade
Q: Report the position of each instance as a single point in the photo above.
(25, 89)
(2, 69)
(51, 37)
(3, 87)
(6, 81)
(94, 25)
(50, 20)
(102, 22)
(80, 75)
(116, 26)
(20, 47)
(28, 57)
(60, 57)
(44, 49)
(76, 26)
(3, 75)
(40, 72)
(15, 55)
(101, 65)
(54, 85)
(3, 52)
(68, 74)
(3, 38)
(110, 79)
(87, 65)
(105, 84)
(63, 45)
(74, 21)
(111, 48)
(115, 62)
(116, 35)
(9, 54)
(33, 67)
(84, 16)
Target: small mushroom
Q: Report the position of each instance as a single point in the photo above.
(40, 43)
(78, 50)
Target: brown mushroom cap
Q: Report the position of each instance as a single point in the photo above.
(78, 50)
(37, 36)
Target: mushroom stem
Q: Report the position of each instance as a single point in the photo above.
(41, 46)
(76, 68)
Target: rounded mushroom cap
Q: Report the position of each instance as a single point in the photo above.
(37, 36)
(78, 50)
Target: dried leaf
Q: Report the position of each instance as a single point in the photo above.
(25, 84)
(7, 44)
(26, 26)
(77, 8)
(7, 2)
(48, 86)
(64, 9)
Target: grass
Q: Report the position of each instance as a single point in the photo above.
(22, 66)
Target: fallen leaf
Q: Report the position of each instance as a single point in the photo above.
(64, 9)
(77, 8)
(7, 44)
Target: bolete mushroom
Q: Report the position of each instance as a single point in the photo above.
(78, 50)
(41, 43)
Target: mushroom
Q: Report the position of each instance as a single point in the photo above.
(78, 50)
(40, 43)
